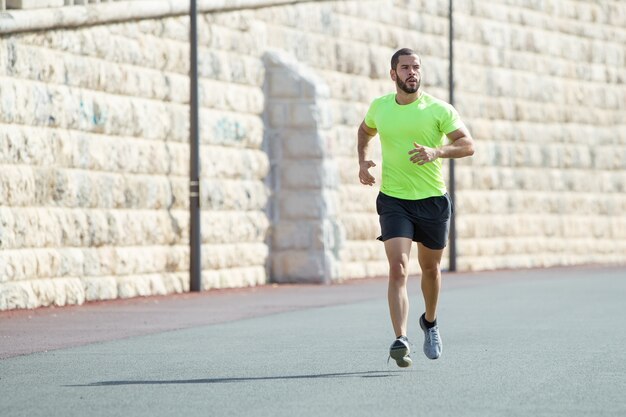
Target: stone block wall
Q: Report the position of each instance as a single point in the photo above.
(94, 142)
(94, 162)
(543, 87)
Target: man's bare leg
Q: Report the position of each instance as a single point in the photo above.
(429, 260)
(398, 250)
(430, 263)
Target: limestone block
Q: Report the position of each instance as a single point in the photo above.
(495, 201)
(105, 261)
(283, 83)
(59, 292)
(293, 235)
(355, 89)
(350, 57)
(306, 115)
(358, 199)
(100, 288)
(137, 227)
(253, 100)
(363, 269)
(242, 20)
(145, 259)
(278, 112)
(30, 63)
(303, 144)
(39, 227)
(121, 155)
(360, 226)
(230, 39)
(230, 129)
(176, 28)
(536, 225)
(86, 111)
(60, 262)
(362, 251)
(342, 143)
(230, 67)
(225, 256)
(38, 293)
(305, 235)
(228, 163)
(140, 285)
(17, 295)
(233, 194)
(312, 85)
(71, 188)
(609, 157)
(229, 96)
(304, 267)
(9, 101)
(344, 113)
(309, 174)
(474, 226)
(234, 278)
(176, 282)
(234, 227)
(617, 227)
(292, 16)
(22, 268)
(157, 53)
(17, 184)
(307, 204)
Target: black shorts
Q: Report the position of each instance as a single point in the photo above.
(426, 221)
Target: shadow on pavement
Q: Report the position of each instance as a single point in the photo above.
(368, 374)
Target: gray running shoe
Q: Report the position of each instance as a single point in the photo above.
(399, 351)
(432, 341)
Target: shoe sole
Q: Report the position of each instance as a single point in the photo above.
(401, 356)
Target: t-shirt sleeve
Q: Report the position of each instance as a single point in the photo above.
(450, 120)
(370, 117)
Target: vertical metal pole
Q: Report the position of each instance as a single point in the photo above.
(195, 236)
(452, 185)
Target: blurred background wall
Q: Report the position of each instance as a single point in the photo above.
(94, 134)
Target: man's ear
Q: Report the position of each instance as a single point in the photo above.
(393, 74)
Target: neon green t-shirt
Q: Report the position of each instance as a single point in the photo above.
(426, 121)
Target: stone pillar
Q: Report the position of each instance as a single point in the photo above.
(304, 179)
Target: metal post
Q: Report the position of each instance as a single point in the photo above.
(452, 188)
(195, 236)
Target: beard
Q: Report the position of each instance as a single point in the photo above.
(404, 87)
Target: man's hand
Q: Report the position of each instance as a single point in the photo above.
(423, 154)
(364, 174)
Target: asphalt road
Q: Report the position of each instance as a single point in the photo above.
(523, 343)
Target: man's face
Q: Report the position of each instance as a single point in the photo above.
(407, 74)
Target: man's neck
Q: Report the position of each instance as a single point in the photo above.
(403, 98)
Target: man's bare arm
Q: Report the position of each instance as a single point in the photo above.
(365, 135)
(462, 145)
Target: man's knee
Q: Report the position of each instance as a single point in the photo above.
(398, 271)
(430, 261)
(431, 270)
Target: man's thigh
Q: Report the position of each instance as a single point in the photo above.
(398, 249)
(429, 258)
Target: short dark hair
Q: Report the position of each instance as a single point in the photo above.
(396, 57)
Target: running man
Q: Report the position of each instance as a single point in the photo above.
(413, 204)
